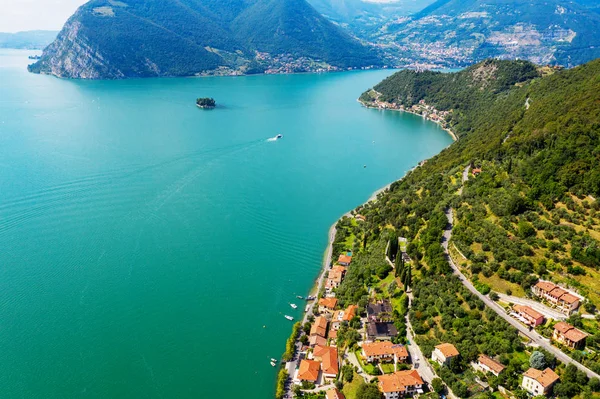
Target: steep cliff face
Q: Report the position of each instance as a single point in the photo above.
(71, 56)
(109, 39)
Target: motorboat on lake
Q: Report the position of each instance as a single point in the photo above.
(293, 305)
(279, 136)
(289, 317)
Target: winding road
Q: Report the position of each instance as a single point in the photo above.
(535, 338)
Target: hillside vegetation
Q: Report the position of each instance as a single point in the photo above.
(138, 38)
(461, 32)
(531, 213)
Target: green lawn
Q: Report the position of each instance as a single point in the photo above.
(367, 367)
(387, 368)
(350, 388)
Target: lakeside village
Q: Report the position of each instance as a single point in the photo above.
(339, 350)
(422, 108)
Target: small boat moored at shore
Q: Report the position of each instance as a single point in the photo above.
(273, 360)
(293, 305)
(299, 297)
(289, 317)
(273, 364)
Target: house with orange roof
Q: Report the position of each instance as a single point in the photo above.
(400, 384)
(488, 365)
(345, 259)
(559, 298)
(442, 353)
(350, 313)
(528, 316)
(319, 327)
(338, 268)
(315, 340)
(538, 382)
(328, 356)
(334, 394)
(309, 370)
(327, 304)
(568, 335)
(384, 351)
(340, 316)
(334, 279)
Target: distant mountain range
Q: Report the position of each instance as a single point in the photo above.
(461, 32)
(110, 39)
(365, 17)
(30, 40)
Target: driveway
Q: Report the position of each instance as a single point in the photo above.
(548, 312)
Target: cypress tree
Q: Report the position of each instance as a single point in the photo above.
(407, 277)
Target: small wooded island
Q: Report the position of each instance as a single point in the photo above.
(206, 103)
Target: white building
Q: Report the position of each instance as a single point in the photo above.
(443, 353)
(538, 382)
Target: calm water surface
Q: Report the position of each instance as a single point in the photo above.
(144, 243)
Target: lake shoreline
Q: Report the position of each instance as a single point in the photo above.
(328, 254)
(447, 130)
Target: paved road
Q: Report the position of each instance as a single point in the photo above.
(419, 361)
(548, 312)
(465, 177)
(424, 368)
(532, 335)
(351, 357)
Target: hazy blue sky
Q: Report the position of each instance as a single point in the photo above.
(18, 15)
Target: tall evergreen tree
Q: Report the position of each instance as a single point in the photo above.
(407, 277)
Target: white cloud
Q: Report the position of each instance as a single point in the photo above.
(19, 15)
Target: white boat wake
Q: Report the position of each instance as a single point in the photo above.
(279, 136)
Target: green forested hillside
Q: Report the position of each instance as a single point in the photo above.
(532, 212)
(137, 38)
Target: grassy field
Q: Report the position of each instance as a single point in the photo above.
(499, 285)
(350, 388)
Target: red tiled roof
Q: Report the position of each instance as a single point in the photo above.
(334, 394)
(545, 378)
(569, 332)
(344, 259)
(328, 357)
(528, 311)
(308, 370)
(350, 313)
(569, 298)
(448, 350)
(317, 340)
(384, 348)
(398, 381)
(319, 327)
(557, 292)
(562, 327)
(328, 302)
(491, 363)
(545, 286)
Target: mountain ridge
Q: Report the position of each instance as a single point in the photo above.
(143, 38)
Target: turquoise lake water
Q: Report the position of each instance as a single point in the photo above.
(144, 243)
